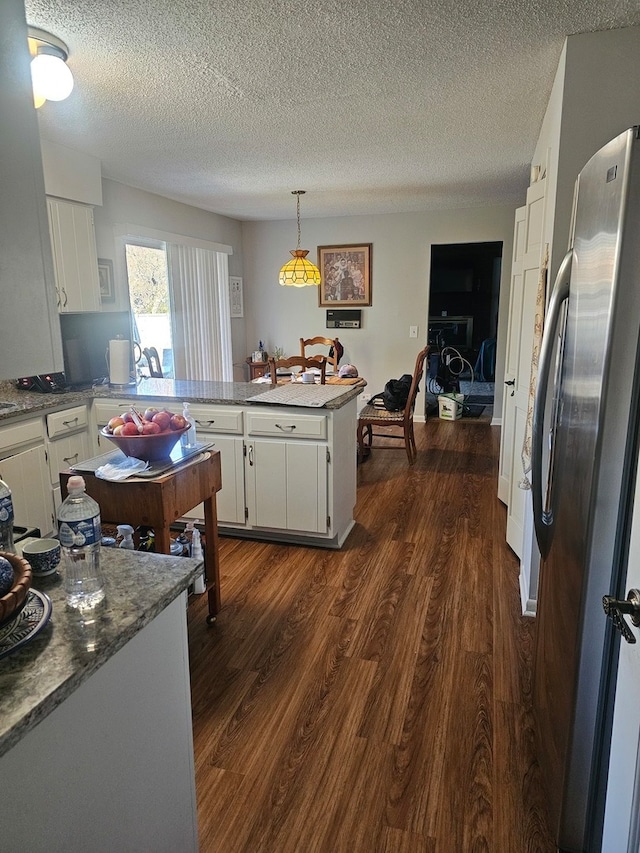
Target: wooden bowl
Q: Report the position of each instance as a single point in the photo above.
(15, 598)
(149, 448)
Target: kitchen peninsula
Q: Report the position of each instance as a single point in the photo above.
(288, 470)
(96, 748)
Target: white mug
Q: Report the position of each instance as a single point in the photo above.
(308, 377)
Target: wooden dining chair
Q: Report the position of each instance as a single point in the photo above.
(317, 361)
(401, 421)
(334, 353)
(153, 360)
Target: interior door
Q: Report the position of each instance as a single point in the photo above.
(521, 342)
(622, 808)
(511, 365)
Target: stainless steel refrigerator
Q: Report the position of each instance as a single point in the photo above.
(584, 456)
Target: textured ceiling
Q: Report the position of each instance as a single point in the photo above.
(371, 106)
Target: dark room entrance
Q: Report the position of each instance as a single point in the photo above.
(464, 294)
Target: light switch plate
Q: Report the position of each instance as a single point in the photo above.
(413, 331)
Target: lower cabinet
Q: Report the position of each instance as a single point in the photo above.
(287, 485)
(68, 443)
(23, 466)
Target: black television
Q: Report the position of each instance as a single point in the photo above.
(85, 342)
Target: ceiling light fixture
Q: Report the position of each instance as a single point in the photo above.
(299, 272)
(50, 75)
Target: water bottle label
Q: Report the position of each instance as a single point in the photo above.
(6, 509)
(86, 531)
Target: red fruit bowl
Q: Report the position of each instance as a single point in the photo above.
(149, 448)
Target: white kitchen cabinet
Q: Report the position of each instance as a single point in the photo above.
(287, 485)
(222, 426)
(75, 257)
(68, 443)
(23, 466)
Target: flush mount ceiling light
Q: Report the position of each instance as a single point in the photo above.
(299, 272)
(50, 75)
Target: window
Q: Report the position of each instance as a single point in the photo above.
(179, 295)
(148, 278)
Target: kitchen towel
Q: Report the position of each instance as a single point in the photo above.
(119, 358)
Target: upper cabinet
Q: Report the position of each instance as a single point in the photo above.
(75, 257)
(29, 324)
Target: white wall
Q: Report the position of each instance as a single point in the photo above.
(401, 256)
(123, 204)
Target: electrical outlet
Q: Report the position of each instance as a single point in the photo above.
(364, 397)
(413, 331)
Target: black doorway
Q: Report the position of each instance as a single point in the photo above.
(464, 294)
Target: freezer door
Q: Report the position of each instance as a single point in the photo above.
(591, 448)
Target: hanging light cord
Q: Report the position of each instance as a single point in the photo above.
(298, 193)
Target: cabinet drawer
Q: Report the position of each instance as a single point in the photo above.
(66, 452)
(216, 419)
(283, 423)
(63, 423)
(26, 432)
(104, 410)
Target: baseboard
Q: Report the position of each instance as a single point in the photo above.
(496, 421)
(529, 605)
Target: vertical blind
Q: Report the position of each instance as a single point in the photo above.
(200, 313)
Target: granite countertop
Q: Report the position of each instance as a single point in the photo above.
(172, 390)
(38, 677)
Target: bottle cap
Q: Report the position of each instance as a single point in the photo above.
(76, 482)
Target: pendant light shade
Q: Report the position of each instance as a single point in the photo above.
(299, 272)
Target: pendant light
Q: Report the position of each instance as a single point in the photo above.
(299, 272)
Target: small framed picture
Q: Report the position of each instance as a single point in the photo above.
(346, 275)
(235, 296)
(105, 277)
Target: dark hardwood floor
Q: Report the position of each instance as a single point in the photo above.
(375, 698)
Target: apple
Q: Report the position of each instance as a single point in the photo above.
(149, 413)
(177, 422)
(113, 423)
(118, 430)
(150, 428)
(163, 419)
(127, 417)
(129, 429)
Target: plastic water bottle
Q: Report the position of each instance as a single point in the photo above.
(188, 440)
(80, 533)
(6, 519)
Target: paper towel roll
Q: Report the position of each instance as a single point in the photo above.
(119, 359)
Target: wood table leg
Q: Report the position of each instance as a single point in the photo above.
(211, 560)
(163, 540)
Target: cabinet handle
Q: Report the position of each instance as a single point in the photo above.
(71, 422)
(205, 423)
(70, 459)
(251, 454)
(64, 304)
(286, 427)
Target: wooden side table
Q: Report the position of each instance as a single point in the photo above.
(257, 369)
(160, 501)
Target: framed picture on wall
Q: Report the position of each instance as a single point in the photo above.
(105, 277)
(346, 275)
(235, 296)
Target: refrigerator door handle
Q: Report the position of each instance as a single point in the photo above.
(542, 509)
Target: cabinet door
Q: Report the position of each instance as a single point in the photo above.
(287, 485)
(75, 257)
(27, 474)
(230, 499)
